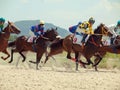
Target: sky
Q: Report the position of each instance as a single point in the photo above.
(63, 13)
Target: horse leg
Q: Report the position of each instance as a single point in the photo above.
(69, 57)
(12, 51)
(76, 57)
(24, 58)
(5, 52)
(24, 53)
(79, 61)
(46, 59)
(39, 56)
(88, 62)
(97, 61)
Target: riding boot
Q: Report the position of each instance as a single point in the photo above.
(34, 40)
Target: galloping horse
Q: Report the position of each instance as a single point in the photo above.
(4, 37)
(114, 48)
(22, 45)
(89, 50)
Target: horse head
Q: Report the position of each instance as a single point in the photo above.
(11, 28)
(51, 34)
(103, 30)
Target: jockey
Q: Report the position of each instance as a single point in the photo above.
(73, 29)
(115, 29)
(86, 28)
(38, 29)
(2, 21)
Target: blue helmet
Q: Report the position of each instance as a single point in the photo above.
(91, 20)
(118, 23)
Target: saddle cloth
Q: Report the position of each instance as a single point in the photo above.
(31, 38)
(106, 42)
(78, 38)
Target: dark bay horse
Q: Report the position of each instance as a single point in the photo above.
(22, 45)
(4, 37)
(114, 48)
(89, 50)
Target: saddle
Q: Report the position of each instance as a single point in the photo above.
(77, 39)
(32, 39)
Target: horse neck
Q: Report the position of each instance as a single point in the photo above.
(6, 34)
(108, 49)
(96, 39)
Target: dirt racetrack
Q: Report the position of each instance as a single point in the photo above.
(12, 78)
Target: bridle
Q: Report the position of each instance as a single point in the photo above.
(104, 32)
(10, 29)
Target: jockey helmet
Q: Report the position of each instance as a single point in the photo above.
(79, 23)
(118, 23)
(91, 20)
(2, 19)
(42, 22)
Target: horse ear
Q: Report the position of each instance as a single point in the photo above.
(102, 24)
(8, 22)
(56, 28)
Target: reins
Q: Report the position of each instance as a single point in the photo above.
(93, 42)
(103, 33)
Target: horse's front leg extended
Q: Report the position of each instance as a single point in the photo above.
(86, 63)
(39, 56)
(11, 56)
(96, 62)
(5, 52)
(24, 58)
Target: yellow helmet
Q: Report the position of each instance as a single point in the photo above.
(42, 22)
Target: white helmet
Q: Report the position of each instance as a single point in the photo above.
(42, 22)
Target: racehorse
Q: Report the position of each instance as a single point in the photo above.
(89, 50)
(4, 37)
(112, 48)
(22, 45)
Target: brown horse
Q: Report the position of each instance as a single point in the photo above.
(22, 45)
(89, 50)
(4, 37)
(113, 48)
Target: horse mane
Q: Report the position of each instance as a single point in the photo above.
(50, 29)
(98, 27)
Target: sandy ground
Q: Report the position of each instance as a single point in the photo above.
(12, 78)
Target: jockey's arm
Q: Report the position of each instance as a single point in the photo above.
(82, 28)
(90, 29)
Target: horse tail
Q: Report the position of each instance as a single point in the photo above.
(11, 44)
(57, 44)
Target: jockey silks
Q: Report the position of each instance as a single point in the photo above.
(37, 30)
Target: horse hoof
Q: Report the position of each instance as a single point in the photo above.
(37, 68)
(23, 60)
(3, 58)
(9, 61)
